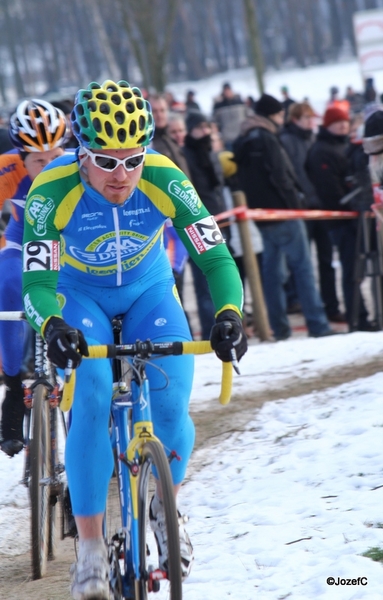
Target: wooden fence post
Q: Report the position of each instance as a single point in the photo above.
(261, 319)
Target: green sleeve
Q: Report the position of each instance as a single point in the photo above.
(41, 258)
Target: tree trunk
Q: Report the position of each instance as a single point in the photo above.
(11, 39)
(255, 42)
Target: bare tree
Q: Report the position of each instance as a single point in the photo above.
(149, 24)
(255, 42)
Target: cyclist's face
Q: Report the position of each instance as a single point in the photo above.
(116, 186)
(35, 161)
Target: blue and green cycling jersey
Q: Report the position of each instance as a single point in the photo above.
(72, 233)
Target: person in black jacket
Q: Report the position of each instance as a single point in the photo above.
(207, 177)
(267, 177)
(297, 137)
(328, 168)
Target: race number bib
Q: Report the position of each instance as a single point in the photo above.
(41, 256)
(204, 234)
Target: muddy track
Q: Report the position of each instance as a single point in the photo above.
(212, 428)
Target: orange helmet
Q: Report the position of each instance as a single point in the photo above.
(37, 126)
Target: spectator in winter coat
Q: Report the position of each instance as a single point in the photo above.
(297, 137)
(162, 142)
(207, 177)
(229, 111)
(267, 177)
(328, 168)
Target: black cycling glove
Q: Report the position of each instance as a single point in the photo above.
(59, 337)
(228, 334)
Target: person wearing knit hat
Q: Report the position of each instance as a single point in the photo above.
(268, 105)
(196, 119)
(328, 167)
(336, 115)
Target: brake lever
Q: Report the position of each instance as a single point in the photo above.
(234, 359)
(69, 367)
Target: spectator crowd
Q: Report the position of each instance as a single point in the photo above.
(283, 155)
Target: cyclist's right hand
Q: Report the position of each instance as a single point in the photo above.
(59, 338)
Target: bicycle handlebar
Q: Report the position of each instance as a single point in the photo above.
(166, 349)
(146, 349)
(143, 348)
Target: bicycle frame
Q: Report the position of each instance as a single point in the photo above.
(133, 427)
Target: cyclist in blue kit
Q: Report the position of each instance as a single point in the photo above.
(93, 249)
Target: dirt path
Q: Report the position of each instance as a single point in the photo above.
(212, 427)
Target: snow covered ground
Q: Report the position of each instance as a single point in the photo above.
(293, 499)
(313, 83)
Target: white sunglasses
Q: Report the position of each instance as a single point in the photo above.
(110, 163)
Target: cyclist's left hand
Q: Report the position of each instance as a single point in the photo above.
(59, 338)
(228, 335)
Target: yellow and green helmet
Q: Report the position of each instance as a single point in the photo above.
(112, 116)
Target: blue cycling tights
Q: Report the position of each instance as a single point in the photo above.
(151, 310)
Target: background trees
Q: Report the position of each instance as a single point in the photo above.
(48, 45)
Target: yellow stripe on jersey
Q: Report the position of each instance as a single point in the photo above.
(159, 160)
(67, 206)
(158, 197)
(55, 174)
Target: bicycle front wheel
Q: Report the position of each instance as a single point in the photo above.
(153, 455)
(40, 467)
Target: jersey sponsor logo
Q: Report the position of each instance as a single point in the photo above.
(105, 250)
(37, 212)
(204, 234)
(41, 256)
(8, 169)
(160, 322)
(89, 228)
(32, 312)
(185, 192)
(136, 212)
(92, 216)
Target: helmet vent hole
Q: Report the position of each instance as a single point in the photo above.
(139, 104)
(132, 128)
(84, 122)
(141, 140)
(141, 123)
(130, 107)
(105, 108)
(109, 129)
(87, 95)
(97, 124)
(79, 110)
(121, 134)
(127, 95)
(116, 99)
(92, 106)
(100, 141)
(101, 96)
(120, 117)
